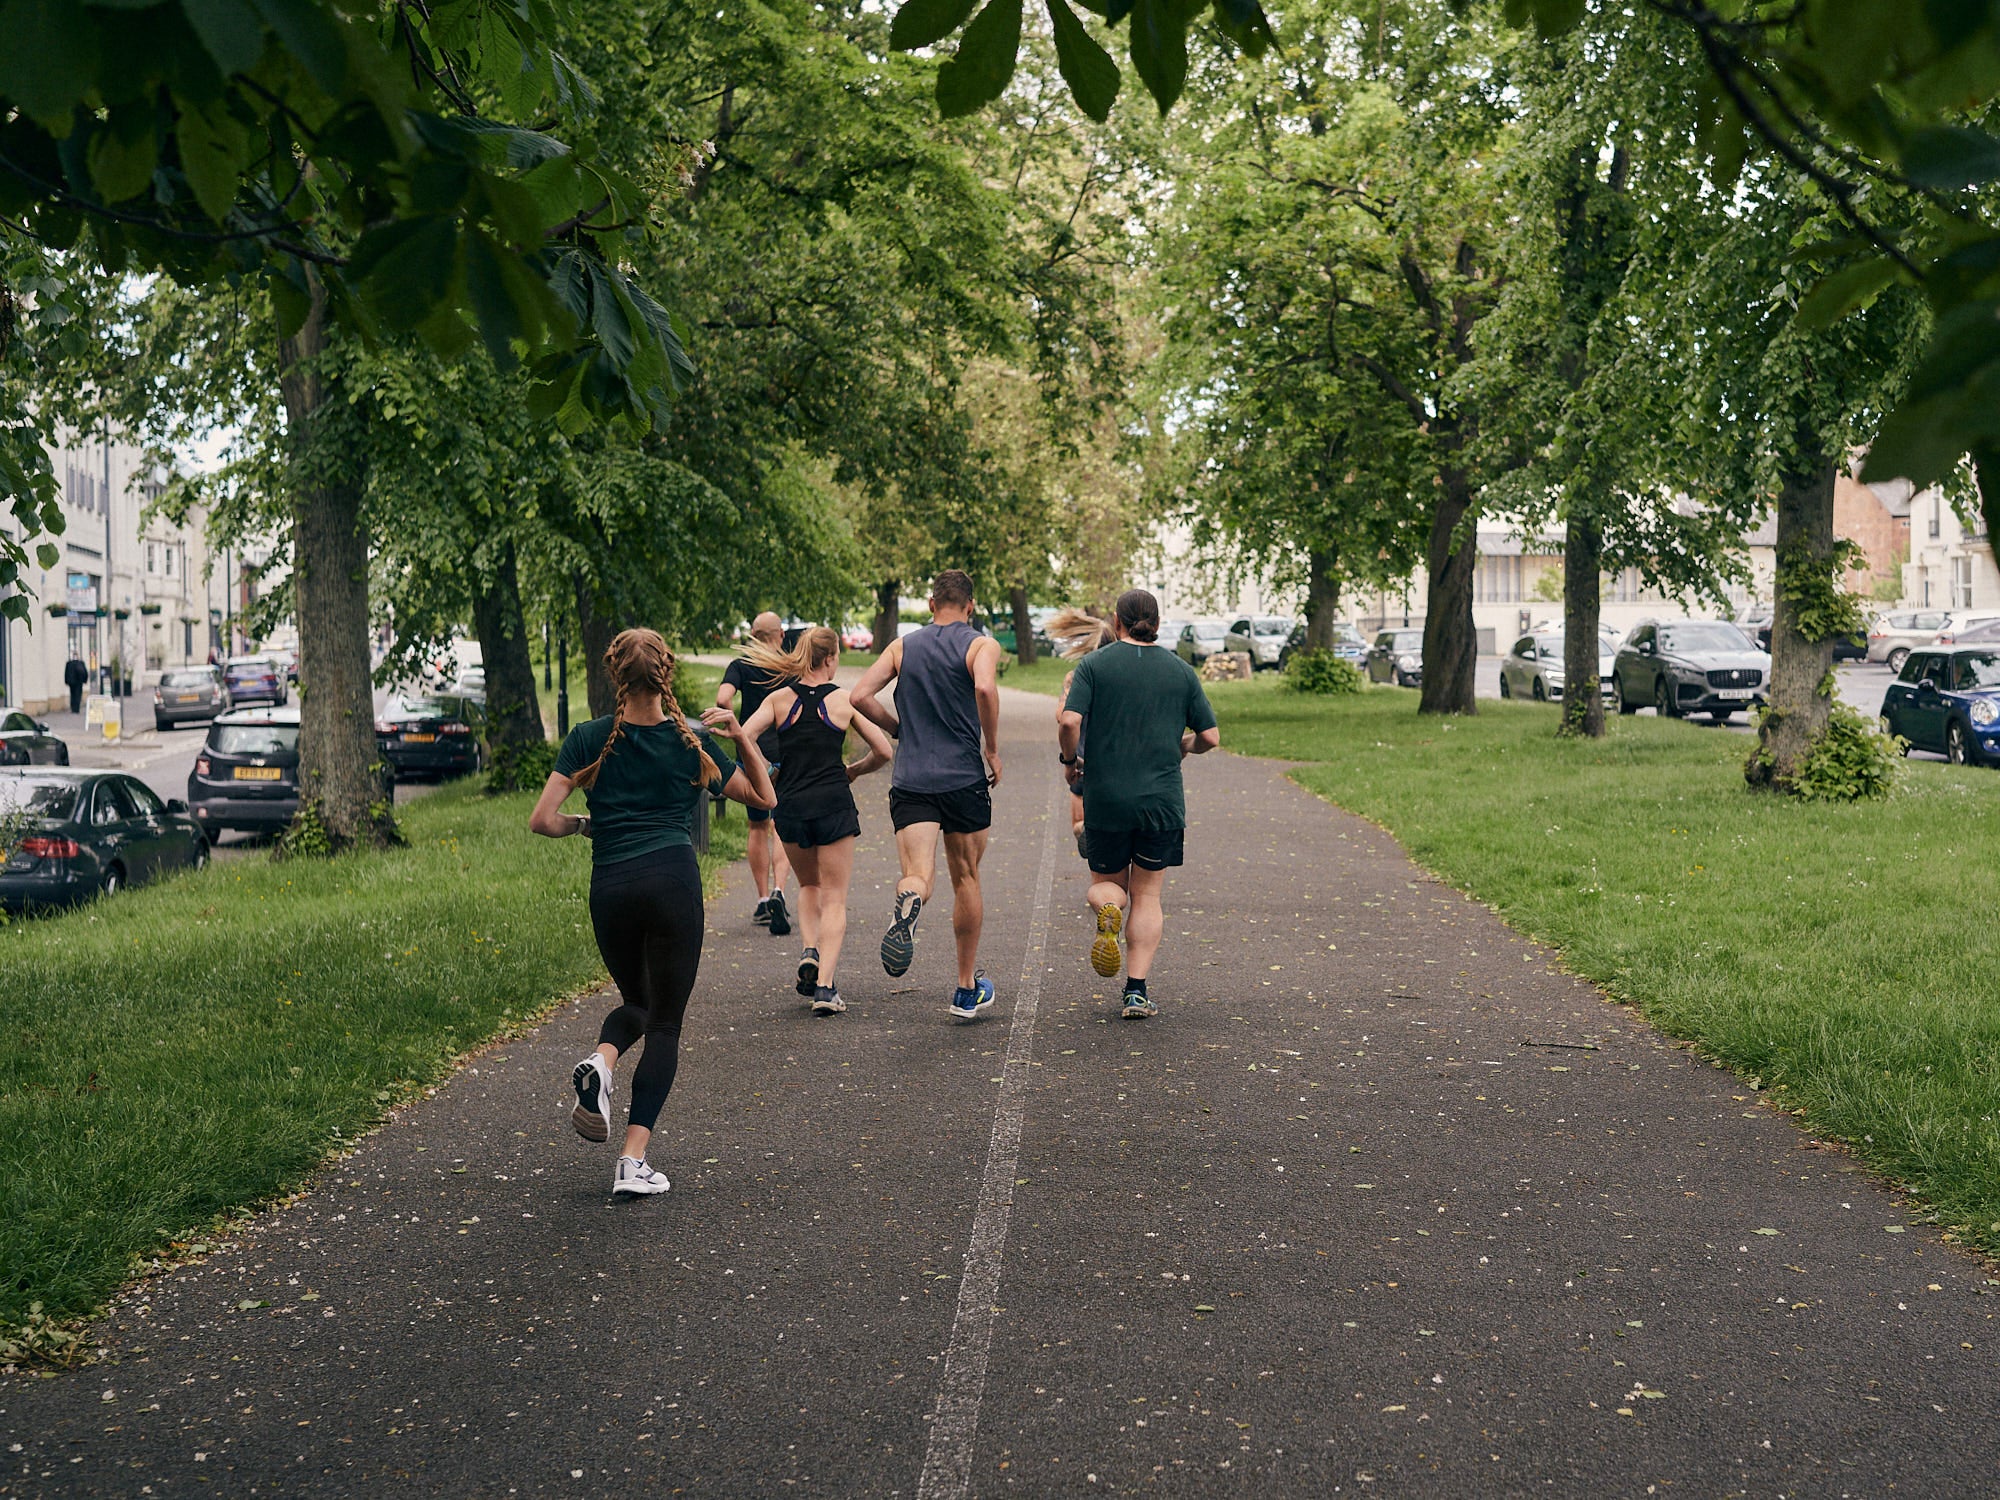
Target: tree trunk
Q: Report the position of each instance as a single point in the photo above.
(1800, 707)
(888, 609)
(1451, 643)
(1583, 696)
(343, 789)
(594, 625)
(1024, 628)
(513, 713)
(1322, 597)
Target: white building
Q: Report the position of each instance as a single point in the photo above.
(1950, 563)
(128, 588)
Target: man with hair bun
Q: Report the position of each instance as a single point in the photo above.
(1146, 712)
(947, 707)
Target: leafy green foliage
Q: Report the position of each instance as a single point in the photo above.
(1322, 674)
(1853, 761)
(520, 767)
(1821, 610)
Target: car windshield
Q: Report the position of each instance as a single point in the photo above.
(187, 679)
(1210, 630)
(1980, 670)
(1549, 645)
(1704, 636)
(254, 739)
(1271, 627)
(425, 708)
(250, 668)
(1406, 640)
(37, 799)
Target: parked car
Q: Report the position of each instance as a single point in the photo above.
(188, 693)
(1961, 620)
(1397, 656)
(1534, 668)
(1758, 628)
(432, 735)
(1948, 701)
(858, 638)
(286, 661)
(1201, 639)
(255, 679)
(1261, 637)
(26, 741)
(247, 775)
(1000, 626)
(1894, 635)
(1977, 635)
(1348, 644)
(471, 685)
(89, 833)
(1689, 667)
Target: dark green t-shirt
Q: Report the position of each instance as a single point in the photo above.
(644, 798)
(1136, 702)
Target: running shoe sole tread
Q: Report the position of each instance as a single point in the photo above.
(1105, 955)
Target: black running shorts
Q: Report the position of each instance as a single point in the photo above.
(1148, 848)
(811, 832)
(967, 810)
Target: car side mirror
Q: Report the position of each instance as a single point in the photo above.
(1645, 648)
(41, 726)
(176, 805)
(1926, 686)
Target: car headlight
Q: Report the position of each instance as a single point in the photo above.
(1984, 712)
(1407, 662)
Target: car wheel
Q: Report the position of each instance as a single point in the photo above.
(1505, 690)
(200, 852)
(113, 882)
(1958, 746)
(1719, 717)
(1663, 699)
(1541, 693)
(1625, 705)
(1896, 658)
(62, 756)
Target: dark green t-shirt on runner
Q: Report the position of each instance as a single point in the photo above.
(644, 797)
(1136, 701)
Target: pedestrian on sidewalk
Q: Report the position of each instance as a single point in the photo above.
(1146, 713)
(947, 678)
(643, 770)
(75, 674)
(816, 818)
(1080, 633)
(767, 857)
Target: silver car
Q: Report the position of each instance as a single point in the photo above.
(188, 693)
(1893, 636)
(1199, 640)
(1261, 637)
(1534, 668)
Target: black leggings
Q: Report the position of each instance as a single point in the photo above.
(647, 914)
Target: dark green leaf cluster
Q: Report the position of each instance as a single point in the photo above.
(1853, 761)
(1322, 674)
(1820, 609)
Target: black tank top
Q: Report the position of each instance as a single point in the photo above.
(812, 770)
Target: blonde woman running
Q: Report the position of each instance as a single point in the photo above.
(816, 818)
(643, 770)
(1080, 633)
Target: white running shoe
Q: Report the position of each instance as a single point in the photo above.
(636, 1179)
(592, 1114)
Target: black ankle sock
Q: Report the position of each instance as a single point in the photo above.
(1135, 986)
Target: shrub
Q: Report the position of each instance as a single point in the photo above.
(1852, 762)
(520, 767)
(1323, 673)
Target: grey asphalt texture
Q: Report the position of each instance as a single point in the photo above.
(1382, 1203)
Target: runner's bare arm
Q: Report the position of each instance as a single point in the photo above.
(982, 659)
(770, 713)
(1069, 732)
(546, 819)
(879, 675)
(751, 782)
(725, 696)
(880, 751)
(1200, 744)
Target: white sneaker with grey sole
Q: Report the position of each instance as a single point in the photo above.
(635, 1178)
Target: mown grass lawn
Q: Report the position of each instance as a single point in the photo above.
(200, 1046)
(1845, 956)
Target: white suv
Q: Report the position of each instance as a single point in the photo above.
(1893, 636)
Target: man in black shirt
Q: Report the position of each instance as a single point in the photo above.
(767, 855)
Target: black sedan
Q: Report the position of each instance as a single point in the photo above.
(188, 693)
(436, 735)
(1948, 701)
(1689, 667)
(88, 833)
(27, 742)
(247, 775)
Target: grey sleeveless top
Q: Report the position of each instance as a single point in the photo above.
(937, 749)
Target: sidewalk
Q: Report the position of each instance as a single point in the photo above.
(1382, 1203)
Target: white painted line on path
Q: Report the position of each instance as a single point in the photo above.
(947, 1473)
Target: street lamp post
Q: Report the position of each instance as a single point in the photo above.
(105, 657)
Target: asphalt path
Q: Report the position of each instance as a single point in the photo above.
(1382, 1203)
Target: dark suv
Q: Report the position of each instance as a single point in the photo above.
(255, 679)
(1397, 656)
(247, 775)
(1689, 667)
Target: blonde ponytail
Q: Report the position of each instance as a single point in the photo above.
(1078, 632)
(817, 645)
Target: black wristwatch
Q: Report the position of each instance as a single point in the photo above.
(1067, 760)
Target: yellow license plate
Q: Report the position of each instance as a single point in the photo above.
(258, 773)
(187, 697)
(419, 739)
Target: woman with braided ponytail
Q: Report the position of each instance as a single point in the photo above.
(643, 771)
(816, 817)
(1077, 633)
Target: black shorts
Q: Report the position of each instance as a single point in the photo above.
(763, 814)
(967, 810)
(1148, 848)
(827, 826)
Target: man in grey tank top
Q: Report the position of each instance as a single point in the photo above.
(946, 718)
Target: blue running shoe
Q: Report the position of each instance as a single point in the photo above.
(899, 943)
(966, 1004)
(1138, 1006)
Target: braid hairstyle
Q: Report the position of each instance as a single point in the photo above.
(1079, 632)
(640, 664)
(817, 645)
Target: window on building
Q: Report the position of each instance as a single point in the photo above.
(172, 559)
(152, 557)
(1937, 517)
(1961, 583)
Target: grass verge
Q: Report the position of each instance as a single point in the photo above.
(1843, 957)
(199, 1046)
